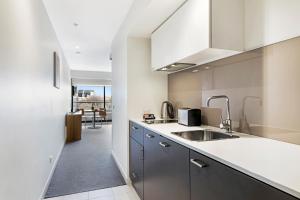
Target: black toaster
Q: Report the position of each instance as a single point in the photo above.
(189, 116)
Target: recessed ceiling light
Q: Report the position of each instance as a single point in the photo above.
(77, 47)
(173, 65)
(207, 67)
(163, 69)
(195, 71)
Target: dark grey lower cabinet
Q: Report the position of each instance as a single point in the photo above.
(166, 169)
(161, 169)
(211, 180)
(136, 163)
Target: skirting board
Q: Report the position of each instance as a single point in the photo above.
(51, 173)
(125, 176)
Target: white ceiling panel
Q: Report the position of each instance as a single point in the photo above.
(87, 45)
(154, 14)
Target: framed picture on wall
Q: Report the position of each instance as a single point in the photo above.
(56, 70)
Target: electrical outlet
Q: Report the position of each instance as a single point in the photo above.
(50, 159)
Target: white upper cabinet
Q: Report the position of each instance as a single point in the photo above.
(202, 31)
(199, 32)
(270, 21)
(185, 33)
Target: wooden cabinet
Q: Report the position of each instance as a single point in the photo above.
(136, 158)
(270, 21)
(166, 169)
(211, 180)
(199, 32)
(73, 123)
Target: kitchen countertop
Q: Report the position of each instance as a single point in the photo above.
(273, 162)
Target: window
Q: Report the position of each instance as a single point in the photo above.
(108, 99)
(93, 97)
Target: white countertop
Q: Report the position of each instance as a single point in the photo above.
(273, 162)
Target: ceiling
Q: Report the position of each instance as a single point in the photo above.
(155, 13)
(86, 28)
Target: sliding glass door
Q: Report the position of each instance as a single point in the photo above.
(93, 97)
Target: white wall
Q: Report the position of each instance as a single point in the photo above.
(132, 84)
(146, 89)
(136, 89)
(32, 110)
(80, 74)
(78, 81)
(80, 77)
(119, 101)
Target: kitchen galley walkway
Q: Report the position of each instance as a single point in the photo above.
(86, 165)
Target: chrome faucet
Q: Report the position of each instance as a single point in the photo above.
(227, 123)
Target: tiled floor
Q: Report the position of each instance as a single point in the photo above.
(124, 192)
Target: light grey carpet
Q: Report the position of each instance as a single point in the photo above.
(86, 165)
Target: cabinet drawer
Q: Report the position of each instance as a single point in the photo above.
(211, 180)
(136, 132)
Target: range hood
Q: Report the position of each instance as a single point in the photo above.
(176, 67)
(200, 58)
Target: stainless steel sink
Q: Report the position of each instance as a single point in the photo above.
(204, 135)
(160, 121)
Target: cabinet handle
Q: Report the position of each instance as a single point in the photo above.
(133, 175)
(135, 128)
(142, 154)
(198, 163)
(149, 136)
(164, 144)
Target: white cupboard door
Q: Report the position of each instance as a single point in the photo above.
(227, 27)
(183, 34)
(270, 21)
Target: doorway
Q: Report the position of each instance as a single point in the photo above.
(88, 165)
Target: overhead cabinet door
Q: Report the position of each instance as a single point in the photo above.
(185, 33)
(270, 21)
(200, 31)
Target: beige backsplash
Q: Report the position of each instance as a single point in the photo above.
(263, 86)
